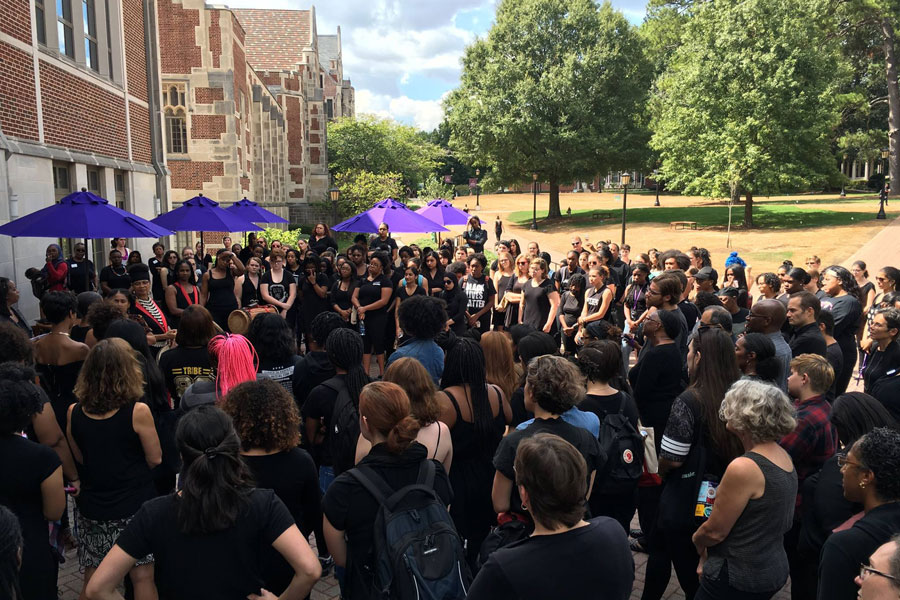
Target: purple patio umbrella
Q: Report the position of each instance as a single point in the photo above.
(83, 215)
(202, 214)
(253, 212)
(399, 218)
(441, 211)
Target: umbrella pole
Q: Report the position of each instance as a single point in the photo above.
(87, 271)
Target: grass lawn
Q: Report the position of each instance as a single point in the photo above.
(768, 215)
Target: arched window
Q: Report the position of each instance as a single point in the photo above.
(176, 118)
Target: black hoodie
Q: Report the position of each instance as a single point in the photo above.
(310, 371)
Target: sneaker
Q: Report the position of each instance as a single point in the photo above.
(327, 563)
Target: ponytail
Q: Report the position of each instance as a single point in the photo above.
(236, 361)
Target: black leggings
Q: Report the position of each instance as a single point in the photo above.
(668, 548)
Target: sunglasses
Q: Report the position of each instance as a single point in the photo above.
(446, 281)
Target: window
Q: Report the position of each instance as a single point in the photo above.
(91, 58)
(120, 183)
(64, 29)
(93, 181)
(61, 181)
(109, 42)
(39, 21)
(321, 81)
(329, 108)
(176, 120)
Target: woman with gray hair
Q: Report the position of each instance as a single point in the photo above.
(553, 385)
(741, 551)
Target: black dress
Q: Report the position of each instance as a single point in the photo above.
(472, 475)
(570, 307)
(434, 283)
(375, 321)
(26, 465)
(220, 300)
(512, 310)
(537, 303)
(250, 292)
(499, 319)
(183, 299)
(342, 297)
(59, 382)
(313, 305)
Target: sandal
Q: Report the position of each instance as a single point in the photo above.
(635, 533)
(637, 546)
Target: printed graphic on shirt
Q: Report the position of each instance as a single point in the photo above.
(185, 376)
(475, 293)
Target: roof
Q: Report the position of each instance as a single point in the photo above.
(329, 49)
(275, 39)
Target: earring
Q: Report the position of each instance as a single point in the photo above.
(862, 484)
(524, 507)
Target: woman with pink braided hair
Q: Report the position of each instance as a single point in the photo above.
(235, 361)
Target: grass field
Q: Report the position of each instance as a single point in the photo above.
(766, 215)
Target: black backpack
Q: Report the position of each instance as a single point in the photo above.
(344, 432)
(417, 552)
(624, 448)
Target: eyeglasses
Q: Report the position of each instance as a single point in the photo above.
(576, 243)
(843, 460)
(446, 281)
(866, 570)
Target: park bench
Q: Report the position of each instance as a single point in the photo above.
(683, 225)
(601, 215)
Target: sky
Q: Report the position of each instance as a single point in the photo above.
(403, 56)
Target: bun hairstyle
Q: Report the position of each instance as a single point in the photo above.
(385, 408)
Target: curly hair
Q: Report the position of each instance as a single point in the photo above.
(771, 280)
(323, 324)
(759, 409)
(101, 315)
(272, 337)
(265, 415)
(600, 360)
(423, 317)
(14, 344)
(556, 384)
(21, 397)
(110, 378)
(846, 278)
(410, 375)
(879, 451)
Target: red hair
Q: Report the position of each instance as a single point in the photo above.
(236, 362)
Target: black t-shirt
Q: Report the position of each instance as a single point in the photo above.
(76, 279)
(294, 478)
(387, 245)
(583, 441)
(311, 370)
(808, 340)
(587, 563)
(350, 508)
(476, 238)
(280, 370)
(320, 405)
(570, 307)
(115, 279)
(537, 303)
(847, 312)
(370, 292)
(479, 292)
(604, 405)
(563, 275)
(321, 245)
(181, 366)
(280, 290)
(881, 364)
(691, 314)
(313, 304)
(224, 564)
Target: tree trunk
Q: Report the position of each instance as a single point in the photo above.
(748, 211)
(554, 211)
(890, 59)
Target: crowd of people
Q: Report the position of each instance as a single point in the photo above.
(518, 414)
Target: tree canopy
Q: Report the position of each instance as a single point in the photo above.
(557, 88)
(748, 102)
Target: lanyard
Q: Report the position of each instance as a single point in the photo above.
(188, 298)
(162, 323)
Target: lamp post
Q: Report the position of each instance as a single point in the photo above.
(626, 179)
(335, 194)
(452, 173)
(657, 188)
(534, 202)
(843, 165)
(477, 190)
(882, 196)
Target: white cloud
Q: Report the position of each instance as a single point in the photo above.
(424, 114)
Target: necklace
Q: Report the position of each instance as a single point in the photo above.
(60, 333)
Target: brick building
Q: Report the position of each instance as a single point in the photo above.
(78, 83)
(244, 104)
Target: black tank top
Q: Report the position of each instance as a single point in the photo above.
(115, 478)
(221, 292)
(250, 292)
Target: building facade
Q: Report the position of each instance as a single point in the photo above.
(77, 90)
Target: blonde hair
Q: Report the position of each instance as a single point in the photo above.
(110, 378)
(759, 409)
(817, 368)
(413, 378)
(541, 263)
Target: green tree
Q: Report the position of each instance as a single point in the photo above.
(361, 189)
(556, 88)
(747, 104)
(379, 146)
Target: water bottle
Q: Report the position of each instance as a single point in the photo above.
(362, 327)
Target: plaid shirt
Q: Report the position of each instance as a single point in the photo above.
(813, 441)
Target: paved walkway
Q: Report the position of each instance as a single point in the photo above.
(882, 250)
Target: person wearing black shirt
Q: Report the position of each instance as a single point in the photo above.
(81, 274)
(342, 291)
(321, 239)
(884, 358)
(475, 236)
(115, 275)
(276, 347)
(480, 292)
(371, 298)
(553, 385)
(383, 242)
(314, 367)
(188, 361)
(313, 289)
(201, 553)
(396, 457)
(840, 288)
(571, 305)
(566, 557)
(457, 302)
(803, 313)
(562, 276)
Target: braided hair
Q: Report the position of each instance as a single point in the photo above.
(344, 348)
(11, 543)
(215, 481)
(236, 361)
(465, 367)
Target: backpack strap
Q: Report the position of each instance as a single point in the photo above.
(426, 474)
(373, 482)
(621, 402)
